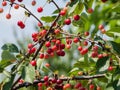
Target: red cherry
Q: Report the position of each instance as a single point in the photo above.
(47, 44)
(47, 65)
(85, 43)
(54, 48)
(8, 16)
(4, 3)
(68, 41)
(46, 56)
(39, 9)
(68, 46)
(39, 84)
(54, 80)
(91, 87)
(100, 56)
(12, 1)
(43, 32)
(90, 10)
(33, 62)
(32, 50)
(100, 26)
(62, 53)
(39, 24)
(41, 55)
(30, 46)
(1, 10)
(46, 78)
(75, 40)
(49, 50)
(62, 46)
(86, 33)
(21, 81)
(76, 17)
(62, 12)
(16, 6)
(94, 54)
(33, 3)
(59, 81)
(99, 88)
(103, 31)
(20, 0)
(103, 1)
(95, 48)
(110, 68)
(84, 51)
(67, 21)
(78, 85)
(80, 48)
(57, 31)
(58, 42)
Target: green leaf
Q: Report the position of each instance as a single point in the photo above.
(3, 64)
(8, 85)
(6, 55)
(114, 31)
(74, 71)
(10, 47)
(90, 3)
(102, 64)
(115, 46)
(48, 19)
(2, 77)
(28, 73)
(76, 9)
(116, 8)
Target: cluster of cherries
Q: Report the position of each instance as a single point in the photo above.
(55, 84)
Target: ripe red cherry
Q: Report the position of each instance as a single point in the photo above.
(100, 26)
(16, 6)
(1, 10)
(57, 31)
(39, 9)
(68, 41)
(4, 3)
(30, 45)
(110, 68)
(80, 48)
(100, 56)
(32, 50)
(68, 46)
(84, 51)
(21, 81)
(95, 48)
(39, 84)
(90, 10)
(94, 54)
(20, 0)
(67, 21)
(33, 62)
(99, 88)
(103, 1)
(12, 1)
(62, 12)
(62, 46)
(54, 80)
(8, 16)
(46, 78)
(47, 65)
(76, 17)
(91, 87)
(86, 33)
(85, 43)
(75, 40)
(41, 55)
(59, 81)
(33, 3)
(46, 56)
(47, 44)
(103, 31)
(78, 85)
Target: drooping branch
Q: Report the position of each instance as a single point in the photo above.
(26, 84)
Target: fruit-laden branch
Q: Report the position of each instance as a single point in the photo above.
(26, 84)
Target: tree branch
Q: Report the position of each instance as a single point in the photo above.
(26, 84)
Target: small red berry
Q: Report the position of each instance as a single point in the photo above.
(33, 62)
(94, 54)
(75, 40)
(39, 9)
(67, 21)
(33, 3)
(100, 26)
(4, 3)
(68, 46)
(100, 56)
(62, 12)
(46, 78)
(39, 84)
(86, 33)
(91, 87)
(59, 81)
(78, 85)
(57, 31)
(30, 45)
(110, 68)
(76, 17)
(95, 48)
(12, 1)
(16, 6)
(103, 1)
(41, 55)
(20, 0)
(1, 10)
(85, 43)
(84, 51)
(80, 48)
(47, 44)
(8, 16)
(90, 10)
(103, 31)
